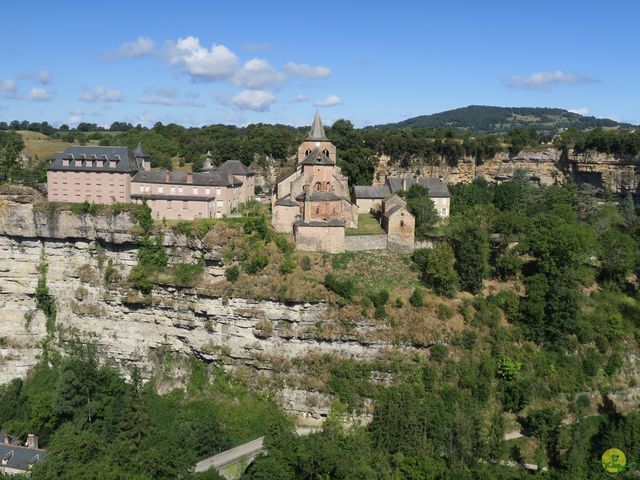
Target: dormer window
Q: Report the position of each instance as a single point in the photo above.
(8, 456)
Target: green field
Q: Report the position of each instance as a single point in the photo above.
(367, 225)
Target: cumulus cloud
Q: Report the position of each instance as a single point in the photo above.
(257, 47)
(166, 96)
(101, 94)
(256, 74)
(546, 81)
(300, 98)
(38, 94)
(8, 88)
(43, 76)
(328, 101)
(200, 62)
(76, 115)
(141, 47)
(580, 111)
(304, 70)
(256, 100)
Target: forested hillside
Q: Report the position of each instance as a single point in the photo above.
(480, 118)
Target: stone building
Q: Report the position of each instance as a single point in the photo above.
(399, 224)
(313, 201)
(370, 198)
(211, 193)
(94, 174)
(17, 459)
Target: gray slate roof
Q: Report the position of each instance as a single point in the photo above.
(180, 178)
(138, 152)
(378, 192)
(287, 202)
(178, 198)
(20, 457)
(319, 197)
(394, 209)
(127, 162)
(317, 129)
(318, 223)
(234, 167)
(316, 157)
(437, 188)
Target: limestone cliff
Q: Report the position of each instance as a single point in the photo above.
(161, 333)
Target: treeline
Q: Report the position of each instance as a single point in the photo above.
(95, 424)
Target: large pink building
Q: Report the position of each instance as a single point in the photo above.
(114, 174)
(94, 174)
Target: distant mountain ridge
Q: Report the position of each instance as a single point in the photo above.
(479, 118)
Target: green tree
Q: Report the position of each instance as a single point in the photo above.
(437, 268)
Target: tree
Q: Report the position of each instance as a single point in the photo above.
(437, 268)
(421, 207)
(470, 243)
(619, 256)
(11, 144)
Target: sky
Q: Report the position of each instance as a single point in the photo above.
(240, 62)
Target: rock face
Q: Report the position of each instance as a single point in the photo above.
(620, 174)
(161, 334)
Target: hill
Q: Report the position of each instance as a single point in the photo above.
(481, 118)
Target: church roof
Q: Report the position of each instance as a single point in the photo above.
(316, 157)
(138, 152)
(287, 202)
(364, 191)
(319, 197)
(318, 223)
(317, 129)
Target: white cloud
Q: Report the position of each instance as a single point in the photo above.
(166, 96)
(545, 81)
(141, 47)
(256, 100)
(257, 47)
(101, 94)
(580, 111)
(328, 101)
(43, 76)
(38, 94)
(300, 98)
(303, 70)
(76, 115)
(257, 73)
(8, 88)
(201, 63)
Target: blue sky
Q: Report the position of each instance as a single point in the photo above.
(241, 62)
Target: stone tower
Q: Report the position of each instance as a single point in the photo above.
(316, 139)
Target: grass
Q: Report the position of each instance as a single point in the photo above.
(367, 225)
(39, 145)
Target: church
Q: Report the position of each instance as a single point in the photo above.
(313, 201)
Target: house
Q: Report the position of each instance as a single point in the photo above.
(16, 459)
(94, 174)
(211, 193)
(370, 198)
(399, 224)
(312, 201)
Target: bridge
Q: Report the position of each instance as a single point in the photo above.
(232, 463)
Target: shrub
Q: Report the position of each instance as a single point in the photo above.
(445, 312)
(439, 352)
(257, 190)
(203, 225)
(255, 264)
(507, 266)
(232, 273)
(437, 268)
(345, 287)
(305, 263)
(85, 208)
(186, 273)
(288, 265)
(417, 298)
(283, 244)
(399, 303)
(185, 227)
(508, 369)
(379, 300)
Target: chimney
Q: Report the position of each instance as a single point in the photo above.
(404, 184)
(32, 441)
(166, 176)
(5, 438)
(189, 177)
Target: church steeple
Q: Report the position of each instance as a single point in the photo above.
(207, 167)
(317, 129)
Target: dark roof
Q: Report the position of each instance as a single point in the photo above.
(394, 209)
(318, 223)
(138, 152)
(437, 188)
(234, 167)
(20, 457)
(126, 160)
(178, 198)
(319, 197)
(287, 202)
(180, 178)
(317, 129)
(316, 157)
(363, 191)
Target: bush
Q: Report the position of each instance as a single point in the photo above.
(507, 266)
(85, 208)
(305, 263)
(255, 264)
(437, 268)
(345, 287)
(185, 227)
(417, 298)
(186, 274)
(257, 190)
(445, 312)
(283, 244)
(379, 300)
(232, 273)
(288, 265)
(439, 352)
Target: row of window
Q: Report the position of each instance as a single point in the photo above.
(179, 190)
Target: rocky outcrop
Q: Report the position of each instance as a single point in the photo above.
(162, 333)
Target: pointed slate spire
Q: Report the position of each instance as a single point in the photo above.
(138, 152)
(207, 167)
(317, 129)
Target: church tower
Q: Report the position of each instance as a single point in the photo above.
(316, 139)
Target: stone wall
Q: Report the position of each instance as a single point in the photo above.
(319, 239)
(359, 243)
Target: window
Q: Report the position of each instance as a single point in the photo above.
(207, 191)
(141, 188)
(317, 210)
(220, 203)
(218, 192)
(173, 190)
(402, 223)
(169, 204)
(160, 189)
(185, 204)
(195, 190)
(317, 186)
(180, 190)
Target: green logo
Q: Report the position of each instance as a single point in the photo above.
(614, 462)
